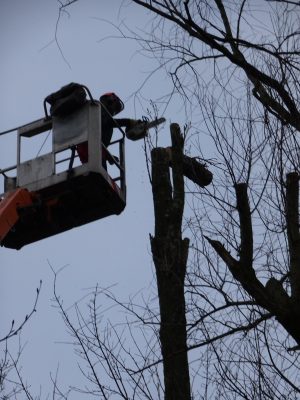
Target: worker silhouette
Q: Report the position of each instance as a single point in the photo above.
(72, 97)
(111, 105)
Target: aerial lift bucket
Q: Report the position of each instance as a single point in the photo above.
(47, 199)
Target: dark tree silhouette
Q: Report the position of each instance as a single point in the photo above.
(227, 322)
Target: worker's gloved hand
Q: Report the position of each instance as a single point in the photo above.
(136, 129)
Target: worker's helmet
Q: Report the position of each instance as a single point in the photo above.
(112, 103)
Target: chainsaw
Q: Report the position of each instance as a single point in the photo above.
(140, 129)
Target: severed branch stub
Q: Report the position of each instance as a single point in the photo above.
(194, 170)
(170, 254)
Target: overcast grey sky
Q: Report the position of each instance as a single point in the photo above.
(111, 251)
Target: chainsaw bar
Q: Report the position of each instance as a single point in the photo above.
(140, 130)
(154, 123)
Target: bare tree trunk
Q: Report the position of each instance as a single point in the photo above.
(170, 253)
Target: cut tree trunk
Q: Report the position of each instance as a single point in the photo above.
(170, 253)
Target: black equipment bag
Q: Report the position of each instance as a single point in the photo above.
(66, 100)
